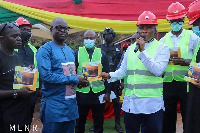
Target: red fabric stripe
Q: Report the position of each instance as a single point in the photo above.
(103, 9)
(108, 112)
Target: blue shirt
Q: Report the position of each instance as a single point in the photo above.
(54, 106)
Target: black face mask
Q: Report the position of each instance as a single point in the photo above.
(109, 39)
(25, 36)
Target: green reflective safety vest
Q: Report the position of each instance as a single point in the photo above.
(83, 57)
(140, 80)
(177, 72)
(35, 61)
(195, 53)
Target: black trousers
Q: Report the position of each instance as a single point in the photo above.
(192, 124)
(116, 102)
(151, 123)
(172, 93)
(33, 99)
(97, 114)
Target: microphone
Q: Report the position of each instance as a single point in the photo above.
(138, 45)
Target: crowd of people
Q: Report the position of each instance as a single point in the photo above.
(151, 78)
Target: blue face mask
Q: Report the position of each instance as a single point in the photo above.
(88, 43)
(196, 30)
(176, 26)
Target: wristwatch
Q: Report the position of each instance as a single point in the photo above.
(15, 93)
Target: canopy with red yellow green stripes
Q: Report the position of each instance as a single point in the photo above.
(121, 15)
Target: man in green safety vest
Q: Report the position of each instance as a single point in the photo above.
(192, 124)
(175, 87)
(89, 96)
(28, 53)
(142, 69)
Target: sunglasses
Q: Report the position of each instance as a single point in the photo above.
(60, 28)
(8, 25)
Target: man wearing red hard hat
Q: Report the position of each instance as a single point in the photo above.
(142, 69)
(28, 52)
(183, 43)
(192, 124)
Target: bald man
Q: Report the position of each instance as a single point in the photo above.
(89, 96)
(57, 70)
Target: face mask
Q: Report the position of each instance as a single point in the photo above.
(88, 43)
(25, 36)
(176, 26)
(196, 30)
(109, 39)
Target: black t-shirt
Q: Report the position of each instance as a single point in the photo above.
(7, 66)
(13, 110)
(27, 55)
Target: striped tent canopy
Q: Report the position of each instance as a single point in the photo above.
(9, 16)
(121, 15)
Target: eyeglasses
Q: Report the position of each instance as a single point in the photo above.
(91, 38)
(60, 28)
(176, 22)
(10, 25)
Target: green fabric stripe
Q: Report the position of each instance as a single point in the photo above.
(9, 16)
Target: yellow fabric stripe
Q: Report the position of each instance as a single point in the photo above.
(84, 23)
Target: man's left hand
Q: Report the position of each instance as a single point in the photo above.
(31, 67)
(106, 98)
(179, 61)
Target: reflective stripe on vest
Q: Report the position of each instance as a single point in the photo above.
(140, 72)
(195, 53)
(178, 72)
(79, 73)
(143, 86)
(83, 57)
(140, 81)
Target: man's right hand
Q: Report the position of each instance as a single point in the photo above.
(197, 83)
(121, 87)
(24, 92)
(83, 82)
(105, 75)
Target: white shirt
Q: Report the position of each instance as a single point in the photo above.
(156, 65)
(194, 40)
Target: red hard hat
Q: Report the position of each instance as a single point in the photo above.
(125, 45)
(176, 11)
(147, 17)
(194, 11)
(23, 21)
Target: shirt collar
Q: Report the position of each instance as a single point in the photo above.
(147, 44)
(171, 35)
(151, 40)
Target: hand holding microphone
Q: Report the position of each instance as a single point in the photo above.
(140, 44)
